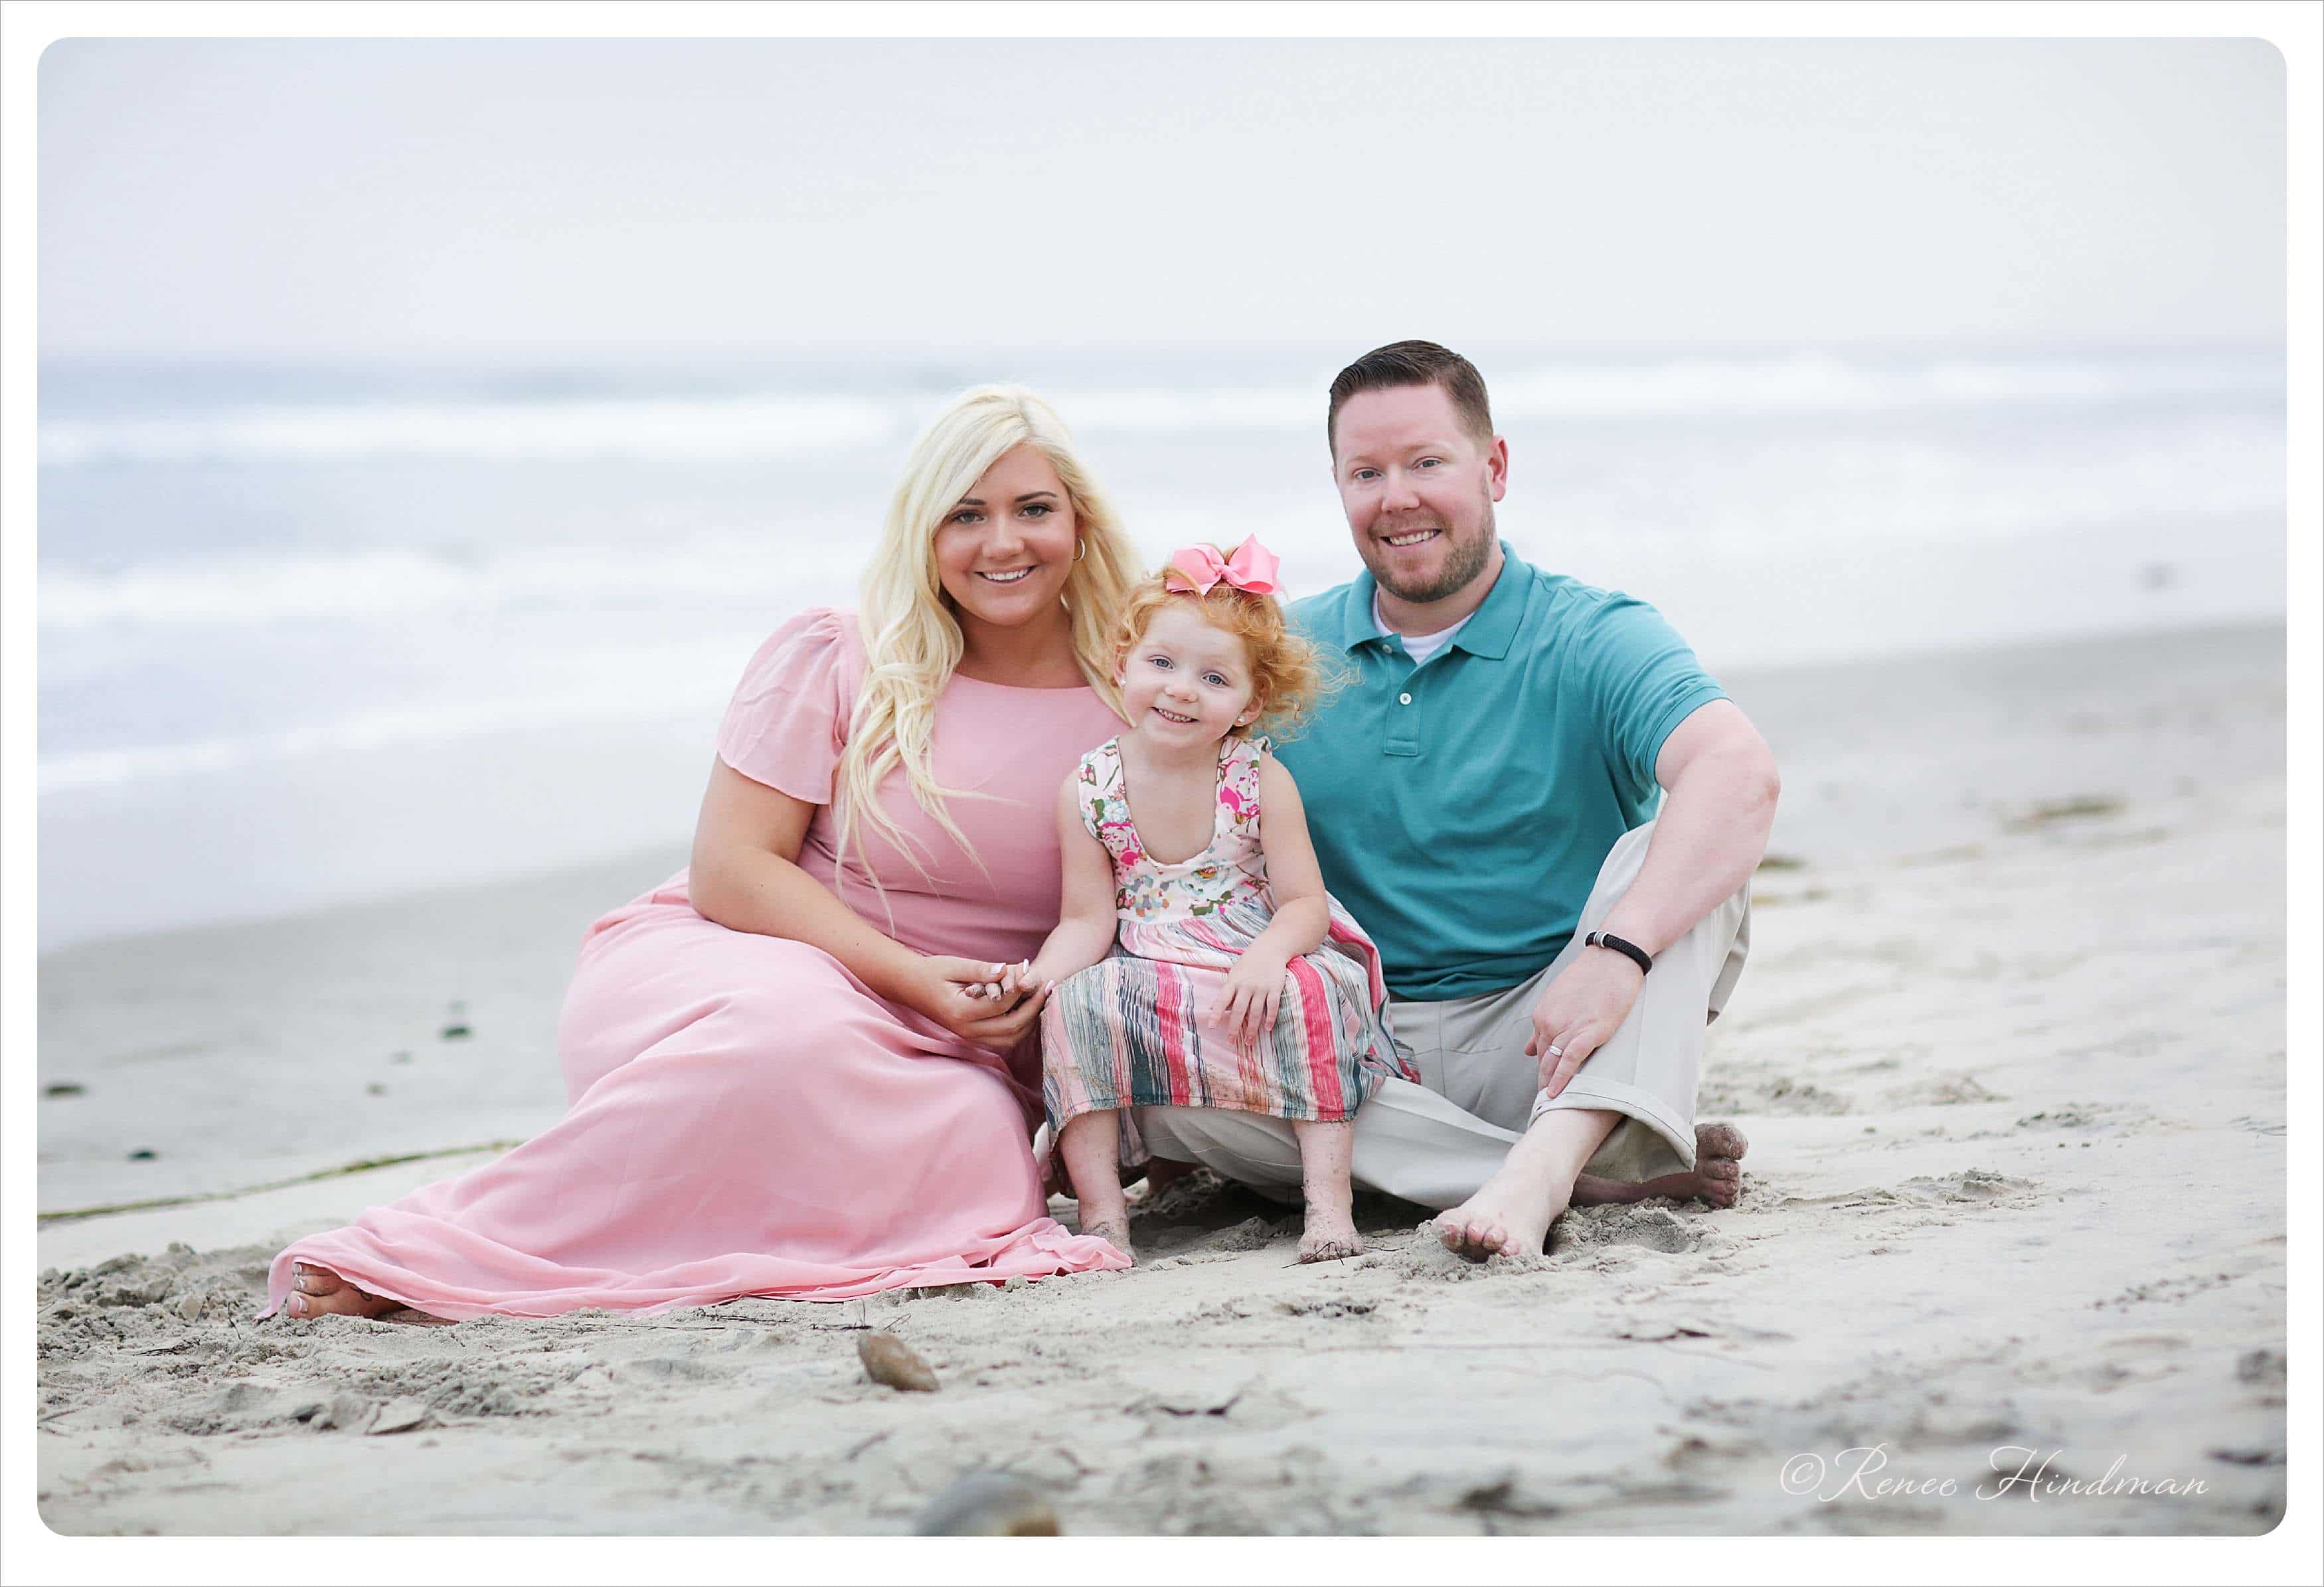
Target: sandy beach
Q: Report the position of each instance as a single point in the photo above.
(2009, 1052)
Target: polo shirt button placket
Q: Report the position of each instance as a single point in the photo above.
(1403, 727)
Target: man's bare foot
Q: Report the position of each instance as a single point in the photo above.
(1511, 1213)
(1115, 1232)
(1716, 1177)
(1720, 1140)
(1329, 1235)
(317, 1292)
(1162, 1171)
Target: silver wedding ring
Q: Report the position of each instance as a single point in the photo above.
(1556, 1051)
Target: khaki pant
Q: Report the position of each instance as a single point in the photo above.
(1434, 1143)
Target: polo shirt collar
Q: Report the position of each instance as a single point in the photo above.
(1488, 632)
(1356, 624)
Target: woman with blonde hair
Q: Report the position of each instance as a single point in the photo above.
(787, 1075)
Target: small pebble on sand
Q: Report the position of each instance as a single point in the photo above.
(889, 1360)
(398, 1415)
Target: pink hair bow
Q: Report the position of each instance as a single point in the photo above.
(1249, 567)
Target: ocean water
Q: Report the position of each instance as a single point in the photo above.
(313, 635)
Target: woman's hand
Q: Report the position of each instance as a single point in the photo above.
(1253, 995)
(967, 998)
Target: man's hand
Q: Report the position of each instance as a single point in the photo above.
(1584, 1005)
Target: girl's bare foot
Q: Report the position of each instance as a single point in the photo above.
(1326, 1150)
(317, 1292)
(1090, 1146)
(1329, 1235)
(1115, 1232)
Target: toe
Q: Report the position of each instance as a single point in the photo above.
(321, 1281)
(1474, 1238)
(1720, 1140)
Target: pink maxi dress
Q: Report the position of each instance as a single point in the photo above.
(748, 1118)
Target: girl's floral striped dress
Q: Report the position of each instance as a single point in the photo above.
(1140, 1028)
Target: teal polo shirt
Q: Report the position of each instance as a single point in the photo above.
(1462, 808)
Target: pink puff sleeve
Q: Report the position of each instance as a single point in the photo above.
(788, 721)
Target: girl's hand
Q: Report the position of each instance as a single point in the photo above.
(965, 996)
(1253, 996)
(1027, 976)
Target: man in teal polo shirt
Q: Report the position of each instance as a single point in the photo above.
(1545, 812)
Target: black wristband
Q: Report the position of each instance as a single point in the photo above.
(1631, 951)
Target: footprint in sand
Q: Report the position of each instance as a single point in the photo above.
(1970, 1185)
(1742, 1093)
(1654, 1228)
(1943, 1091)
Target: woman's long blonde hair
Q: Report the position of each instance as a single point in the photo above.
(911, 635)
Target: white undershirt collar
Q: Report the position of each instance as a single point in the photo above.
(1420, 647)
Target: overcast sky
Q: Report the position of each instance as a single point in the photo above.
(541, 198)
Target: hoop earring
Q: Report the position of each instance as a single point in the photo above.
(1081, 548)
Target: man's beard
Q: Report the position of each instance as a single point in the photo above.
(1464, 559)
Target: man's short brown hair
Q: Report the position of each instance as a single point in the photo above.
(1414, 364)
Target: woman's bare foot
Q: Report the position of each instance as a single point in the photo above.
(317, 1292)
(1329, 1235)
(1115, 1232)
(1716, 1177)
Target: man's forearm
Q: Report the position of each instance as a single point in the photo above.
(1707, 841)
